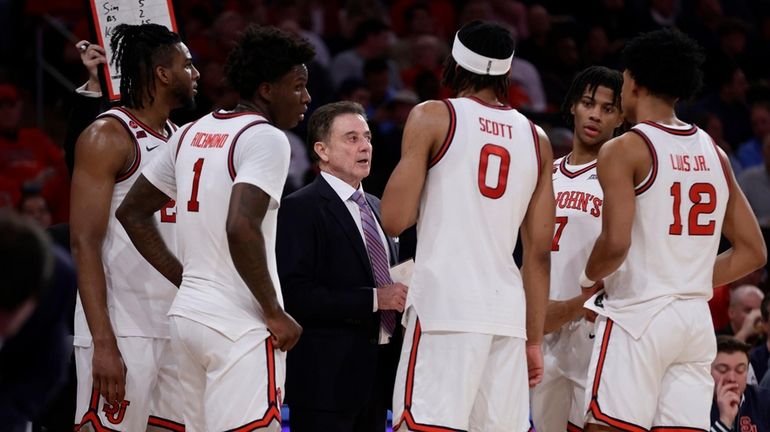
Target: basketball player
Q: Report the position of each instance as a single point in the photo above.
(668, 194)
(123, 358)
(227, 170)
(592, 106)
(476, 170)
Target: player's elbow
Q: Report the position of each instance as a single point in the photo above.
(616, 246)
(759, 254)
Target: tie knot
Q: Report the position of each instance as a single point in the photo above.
(358, 197)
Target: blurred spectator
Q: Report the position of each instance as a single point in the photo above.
(595, 49)
(377, 78)
(29, 160)
(750, 152)
(215, 43)
(526, 78)
(760, 355)
(354, 90)
(563, 65)
(419, 26)
(704, 23)
(660, 13)
(744, 313)
(371, 40)
(755, 183)
(428, 54)
(737, 406)
(728, 102)
(443, 15)
(34, 206)
(713, 126)
(36, 297)
(536, 47)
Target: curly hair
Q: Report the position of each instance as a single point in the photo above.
(666, 62)
(490, 40)
(137, 50)
(264, 54)
(589, 79)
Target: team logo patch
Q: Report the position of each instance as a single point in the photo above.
(141, 134)
(592, 177)
(133, 124)
(115, 412)
(599, 300)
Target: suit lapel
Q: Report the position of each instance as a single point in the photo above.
(340, 212)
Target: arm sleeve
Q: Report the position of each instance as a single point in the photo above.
(161, 171)
(261, 158)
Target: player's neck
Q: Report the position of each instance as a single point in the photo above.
(486, 95)
(656, 110)
(582, 154)
(251, 106)
(153, 115)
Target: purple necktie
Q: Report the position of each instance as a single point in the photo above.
(377, 256)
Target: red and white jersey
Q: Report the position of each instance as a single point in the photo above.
(579, 200)
(138, 297)
(208, 158)
(680, 208)
(476, 194)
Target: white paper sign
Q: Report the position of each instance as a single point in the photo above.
(107, 14)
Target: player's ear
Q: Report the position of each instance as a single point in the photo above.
(265, 91)
(322, 150)
(163, 75)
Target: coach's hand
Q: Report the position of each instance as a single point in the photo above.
(728, 401)
(109, 371)
(392, 297)
(284, 330)
(534, 364)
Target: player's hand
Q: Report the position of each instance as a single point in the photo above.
(392, 297)
(749, 327)
(92, 56)
(109, 371)
(285, 331)
(728, 401)
(534, 364)
(589, 315)
(590, 291)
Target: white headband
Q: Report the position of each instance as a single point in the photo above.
(478, 63)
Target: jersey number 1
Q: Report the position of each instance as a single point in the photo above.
(698, 208)
(502, 173)
(193, 204)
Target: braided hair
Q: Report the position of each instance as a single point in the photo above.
(490, 40)
(137, 50)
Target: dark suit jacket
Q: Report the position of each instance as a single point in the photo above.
(327, 285)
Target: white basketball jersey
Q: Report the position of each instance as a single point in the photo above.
(138, 297)
(476, 194)
(213, 154)
(680, 208)
(579, 200)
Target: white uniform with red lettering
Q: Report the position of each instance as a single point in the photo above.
(138, 299)
(230, 374)
(651, 361)
(558, 402)
(466, 307)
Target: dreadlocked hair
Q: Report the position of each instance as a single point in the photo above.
(487, 39)
(264, 55)
(137, 50)
(589, 79)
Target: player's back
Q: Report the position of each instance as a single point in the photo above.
(680, 208)
(212, 291)
(476, 194)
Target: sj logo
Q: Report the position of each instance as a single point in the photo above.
(747, 425)
(115, 412)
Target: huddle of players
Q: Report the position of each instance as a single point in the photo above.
(629, 212)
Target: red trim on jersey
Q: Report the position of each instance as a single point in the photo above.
(564, 170)
(184, 133)
(572, 427)
(725, 164)
(407, 418)
(224, 116)
(92, 415)
(165, 424)
(680, 132)
(450, 134)
(675, 429)
(273, 410)
(593, 407)
(172, 125)
(536, 138)
(230, 163)
(137, 149)
(638, 190)
(146, 128)
(500, 107)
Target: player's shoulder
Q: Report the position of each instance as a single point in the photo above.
(105, 132)
(431, 109)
